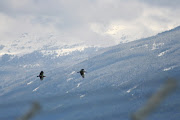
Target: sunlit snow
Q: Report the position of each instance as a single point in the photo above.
(131, 89)
(169, 68)
(81, 96)
(157, 45)
(29, 82)
(35, 89)
(162, 53)
(69, 79)
(78, 84)
(63, 51)
(30, 65)
(142, 46)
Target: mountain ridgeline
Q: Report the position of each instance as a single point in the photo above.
(119, 80)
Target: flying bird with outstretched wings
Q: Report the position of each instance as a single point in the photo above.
(82, 73)
(41, 75)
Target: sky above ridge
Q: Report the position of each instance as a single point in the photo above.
(90, 22)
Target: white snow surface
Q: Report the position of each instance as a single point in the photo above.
(169, 68)
(163, 53)
(30, 65)
(35, 89)
(142, 46)
(81, 96)
(29, 82)
(79, 84)
(63, 51)
(69, 79)
(128, 91)
(157, 46)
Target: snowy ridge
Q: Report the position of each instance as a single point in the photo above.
(140, 47)
(30, 65)
(63, 51)
(48, 44)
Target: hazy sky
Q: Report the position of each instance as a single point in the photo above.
(90, 22)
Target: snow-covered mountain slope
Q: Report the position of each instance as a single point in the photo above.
(118, 81)
(27, 43)
(130, 63)
(48, 57)
(15, 69)
(49, 54)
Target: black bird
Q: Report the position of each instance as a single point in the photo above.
(41, 75)
(82, 72)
